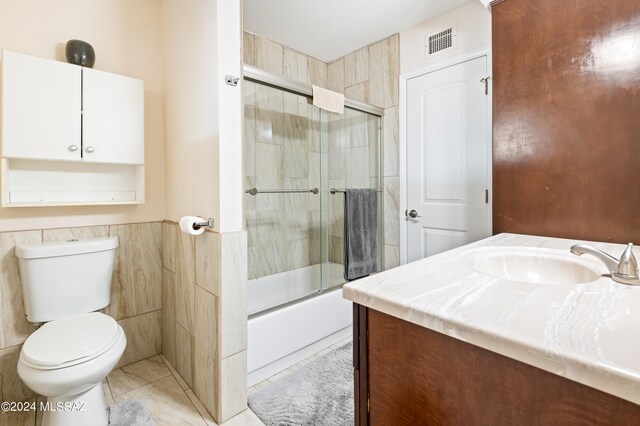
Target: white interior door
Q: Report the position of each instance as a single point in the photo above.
(447, 159)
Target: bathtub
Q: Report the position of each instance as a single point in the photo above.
(281, 337)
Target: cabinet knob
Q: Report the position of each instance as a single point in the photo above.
(73, 148)
(89, 149)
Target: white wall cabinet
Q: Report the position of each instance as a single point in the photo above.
(70, 135)
(112, 118)
(41, 108)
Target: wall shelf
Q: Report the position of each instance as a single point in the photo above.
(29, 183)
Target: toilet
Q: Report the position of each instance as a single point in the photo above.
(64, 284)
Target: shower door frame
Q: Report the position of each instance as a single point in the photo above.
(260, 76)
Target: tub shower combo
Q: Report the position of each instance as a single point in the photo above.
(299, 160)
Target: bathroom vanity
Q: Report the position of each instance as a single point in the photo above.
(510, 330)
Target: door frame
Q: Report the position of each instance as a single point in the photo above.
(404, 80)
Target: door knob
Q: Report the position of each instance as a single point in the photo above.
(73, 148)
(89, 149)
(413, 214)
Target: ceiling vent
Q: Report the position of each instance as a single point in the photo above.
(442, 40)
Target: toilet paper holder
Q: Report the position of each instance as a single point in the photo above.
(209, 223)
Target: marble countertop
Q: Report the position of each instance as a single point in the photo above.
(589, 332)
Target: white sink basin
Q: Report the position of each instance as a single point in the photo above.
(535, 265)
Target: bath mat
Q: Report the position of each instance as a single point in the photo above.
(318, 394)
(129, 412)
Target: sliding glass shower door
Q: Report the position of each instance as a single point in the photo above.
(282, 160)
(353, 161)
(294, 154)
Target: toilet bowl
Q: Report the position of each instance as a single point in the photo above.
(64, 284)
(66, 360)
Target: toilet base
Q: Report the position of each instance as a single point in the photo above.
(83, 409)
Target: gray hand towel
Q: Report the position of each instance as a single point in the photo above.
(360, 233)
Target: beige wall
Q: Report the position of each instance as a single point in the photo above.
(135, 295)
(191, 108)
(127, 37)
(203, 115)
(230, 192)
(473, 23)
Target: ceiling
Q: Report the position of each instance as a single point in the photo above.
(329, 29)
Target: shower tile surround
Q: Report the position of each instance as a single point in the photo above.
(371, 74)
(135, 295)
(272, 117)
(204, 335)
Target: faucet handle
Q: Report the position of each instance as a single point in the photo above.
(628, 264)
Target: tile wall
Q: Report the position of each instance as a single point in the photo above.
(369, 74)
(135, 295)
(204, 316)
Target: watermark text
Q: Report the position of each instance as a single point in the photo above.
(7, 406)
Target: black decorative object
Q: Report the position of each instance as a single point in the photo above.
(80, 53)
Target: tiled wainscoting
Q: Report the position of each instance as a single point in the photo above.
(171, 292)
(135, 295)
(204, 317)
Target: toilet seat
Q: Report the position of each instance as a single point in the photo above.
(70, 341)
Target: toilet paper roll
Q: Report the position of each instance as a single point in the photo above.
(187, 225)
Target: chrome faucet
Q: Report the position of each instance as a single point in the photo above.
(623, 270)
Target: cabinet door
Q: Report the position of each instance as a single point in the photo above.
(113, 118)
(41, 104)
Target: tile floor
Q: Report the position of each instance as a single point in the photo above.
(162, 391)
(160, 388)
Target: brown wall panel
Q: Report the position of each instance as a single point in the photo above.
(566, 130)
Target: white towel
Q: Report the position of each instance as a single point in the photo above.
(328, 100)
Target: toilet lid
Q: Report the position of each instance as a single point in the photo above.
(70, 339)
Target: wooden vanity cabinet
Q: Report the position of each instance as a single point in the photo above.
(406, 374)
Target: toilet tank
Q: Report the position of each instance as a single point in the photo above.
(65, 278)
